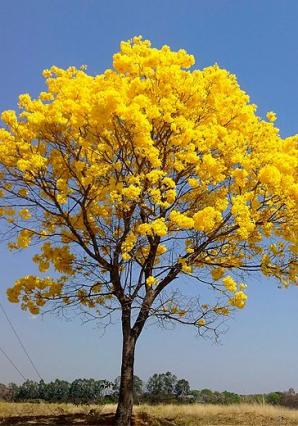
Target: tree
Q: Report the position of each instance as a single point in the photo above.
(207, 396)
(162, 384)
(134, 181)
(231, 398)
(86, 391)
(4, 392)
(182, 388)
(57, 391)
(138, 387)
(43, 390)
(12, 391)
(274, 398)
(28, 390)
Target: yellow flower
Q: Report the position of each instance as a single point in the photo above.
(25, 214)
(161, 249)
(230, 284)
(271, 116)
(146, 157)
(193, 182)
(181, 220)
(131, 192)
(23, 192)
(238, 300)
(144, 229)
(217, 273)
(159, 227)
(23, 165)
(24, 238)
(221, 310)
(150, 281)
(270, 175)
(206, 219)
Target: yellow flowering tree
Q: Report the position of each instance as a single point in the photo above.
(138, 182)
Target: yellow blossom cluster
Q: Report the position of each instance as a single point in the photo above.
(181, 220)
(150, 281)
(24, 238)
(25, 214)
(230, 284)
(238, 300)
(128, 245)
(221, 310)
(270, 176)
(217, 273)
(185, 266)
(157, 227)
(60, 257)
(271, 116)
(35, 292)
(206, 219)
(129, 163)
(242, 216)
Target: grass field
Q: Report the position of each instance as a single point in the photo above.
(159, 415)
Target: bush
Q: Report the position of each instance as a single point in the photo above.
(274, 398)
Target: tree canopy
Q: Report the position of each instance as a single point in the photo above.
(153, 170)
(150, 170)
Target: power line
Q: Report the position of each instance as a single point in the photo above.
(20, 341)
(12, 363)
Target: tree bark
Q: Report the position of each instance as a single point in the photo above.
(125, 402)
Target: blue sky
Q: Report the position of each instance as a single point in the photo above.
(255, 39)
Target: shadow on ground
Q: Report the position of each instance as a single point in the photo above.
(141, 419)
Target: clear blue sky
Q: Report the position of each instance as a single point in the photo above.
(255, 39)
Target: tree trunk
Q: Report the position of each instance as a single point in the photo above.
(125, 401)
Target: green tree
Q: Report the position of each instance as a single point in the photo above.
(86, 391)
(162, 384)
(57, 391)
(28, 390)
(231, 398)
(274, 398)
(182, 388)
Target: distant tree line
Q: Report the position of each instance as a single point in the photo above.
(80, 391)
(160, 388)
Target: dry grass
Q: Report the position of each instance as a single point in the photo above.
(238, 414)
(171, 415)
(8, 409)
